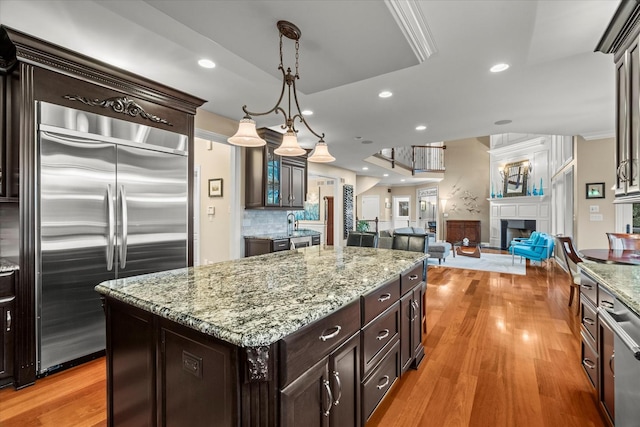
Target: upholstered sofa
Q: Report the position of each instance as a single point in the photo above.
(437, 250)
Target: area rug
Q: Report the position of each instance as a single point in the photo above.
(498, 263)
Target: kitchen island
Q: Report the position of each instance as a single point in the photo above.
(315, 336)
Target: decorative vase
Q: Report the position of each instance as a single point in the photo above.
(541, 192)
(535, 190)
(492, 193)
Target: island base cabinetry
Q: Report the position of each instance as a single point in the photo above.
(333, 372)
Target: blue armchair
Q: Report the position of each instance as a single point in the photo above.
(525, 240)
(539, 250)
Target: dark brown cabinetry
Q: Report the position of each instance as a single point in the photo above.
(621, 39)
(328, 394)
(589, 329)
(7, 326)
(411, 308)
(607, 369)
(9, 125)
(272, 181)
(459, 229)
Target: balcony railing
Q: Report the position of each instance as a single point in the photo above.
(416, 158)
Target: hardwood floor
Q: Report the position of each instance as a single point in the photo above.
(501, 350)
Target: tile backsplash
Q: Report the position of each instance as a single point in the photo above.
(255, 222)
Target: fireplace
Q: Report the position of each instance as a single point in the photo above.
(512, 228)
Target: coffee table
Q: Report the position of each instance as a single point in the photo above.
(471, 249)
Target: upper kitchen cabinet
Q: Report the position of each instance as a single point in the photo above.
(621, 38)
(272, 181)
(9, 150)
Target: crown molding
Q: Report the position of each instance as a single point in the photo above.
(598, 135)
(409, 17)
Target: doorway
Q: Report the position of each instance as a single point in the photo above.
(328, 220)
(401, 216)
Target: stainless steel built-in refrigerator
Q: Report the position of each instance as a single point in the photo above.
(112, 204)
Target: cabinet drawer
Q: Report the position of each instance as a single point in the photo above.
(378, 334)
(409, 279)
(589, 288)
(308, 345)
(589, 317)
(280, 245)
(315, 240)
(589, 359)
(379, 300)
(605, 299)
(6, 284)
(380, 381)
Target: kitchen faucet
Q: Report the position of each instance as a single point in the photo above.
(290, 220)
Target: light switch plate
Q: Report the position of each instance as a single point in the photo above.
(594, 208)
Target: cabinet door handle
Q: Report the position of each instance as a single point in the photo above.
(416, 309)
(382, 334)
(384, 384)
(7, 299)
(8, 320)
(611, 365)
(334, 334)
(413, 277)
(587, 286)
(336, 376)
(384, 297)
(589, 321)
(327, 388)
(589, 363)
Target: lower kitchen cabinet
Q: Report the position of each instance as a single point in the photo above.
(7, 326)
(607, 368)
(328, 394)
(411, 350)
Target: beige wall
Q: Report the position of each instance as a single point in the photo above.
(215, 230)
(595, 163)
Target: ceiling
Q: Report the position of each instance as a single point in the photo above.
(351, 50)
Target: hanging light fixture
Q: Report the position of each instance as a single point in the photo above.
(247, 135)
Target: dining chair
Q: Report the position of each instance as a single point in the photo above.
(571, 259)
(624, 241)
(369, 240)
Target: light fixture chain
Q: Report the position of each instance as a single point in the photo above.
(281, 51)
(297, 57)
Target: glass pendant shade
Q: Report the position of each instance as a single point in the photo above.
(321, 154)
(289, 146)
(246, 136)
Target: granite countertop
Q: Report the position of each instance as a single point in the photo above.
(258, 300)
(283, 234)
(622, 280)
(6, 266)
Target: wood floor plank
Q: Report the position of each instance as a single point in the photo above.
(501, 350)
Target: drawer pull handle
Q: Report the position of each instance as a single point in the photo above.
(334, 334)
(589, 363)
(611, 364)
(336, 401)
(7, 299)
(382, 334)
(384, 384)
(384, 297)
(413, 277)
(589, 321)
(327, 387)
(9, 321)
(587, 286)
(606, 304)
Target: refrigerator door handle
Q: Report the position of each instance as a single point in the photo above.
(112, 228)
(125, 226)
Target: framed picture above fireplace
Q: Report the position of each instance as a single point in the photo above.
(515, 178)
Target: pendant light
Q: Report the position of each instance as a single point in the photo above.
(247, 135)
(321, 154)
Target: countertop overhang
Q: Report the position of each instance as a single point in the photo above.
(258, 300)
(8, 266)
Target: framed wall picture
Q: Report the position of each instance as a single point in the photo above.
(215, 187)
(595, 190)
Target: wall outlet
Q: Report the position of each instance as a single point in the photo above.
(211, 210)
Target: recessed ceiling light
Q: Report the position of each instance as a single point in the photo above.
(385, 94)
(421, 127)
(502, 122)
(365, 168)
(402, 180)
(206, 63)
(385, 174)
(499, 67)
(307, 113)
